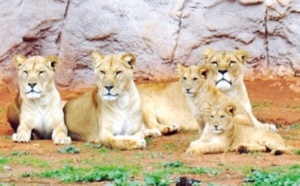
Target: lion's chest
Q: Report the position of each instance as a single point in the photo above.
(121, 120)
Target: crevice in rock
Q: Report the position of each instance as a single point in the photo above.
(178, 31)
(58, 40)
(266, 37)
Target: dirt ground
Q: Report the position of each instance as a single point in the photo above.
(275, 100)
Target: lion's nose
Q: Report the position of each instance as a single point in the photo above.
(31, 84)
(109, 87)
(188, 90)
(222, 71)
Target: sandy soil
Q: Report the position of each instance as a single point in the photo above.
(274, 100)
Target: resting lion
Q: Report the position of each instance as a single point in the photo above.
(199, 91)
(37, 110)
(111, 114)
(227, 74)
(222, 133)
(165, 107)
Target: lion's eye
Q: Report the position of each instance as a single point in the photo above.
(25, 73)
(102, 72)
(212, 116)
(41, 73)
(232, 63)
(195, 79)
(118, 72)
(214, 63)
(184, 78)
(222, 116)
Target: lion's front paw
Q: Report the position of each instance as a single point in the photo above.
(62, 140)
(21, 138)
(152, 132)
(138, 143)
(194, 143)
(192, 151)
(170, 129)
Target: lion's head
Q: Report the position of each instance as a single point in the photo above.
(36, 74)
(219, 118)
(192, 78)
(113, 73)
(226, 67)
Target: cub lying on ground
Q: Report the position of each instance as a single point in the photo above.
(37, 109)
(199, 91)
(222, 133)
(226, 72)
(111, 114)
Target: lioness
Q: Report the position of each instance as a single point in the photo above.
(165, 107)
(199, 91)
(227, 74)
(37, 109)
(222, 133)
(111, 114)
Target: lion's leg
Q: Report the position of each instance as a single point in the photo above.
(246, 148)
(122, 142)
(23, 133)
(59, 134)
(207, 148)
(275, 143)
(151, 120)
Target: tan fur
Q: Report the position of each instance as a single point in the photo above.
(37, 109)
(222, 133)
(199, 91)
(165, 107)
(229, 65)
(111, 114)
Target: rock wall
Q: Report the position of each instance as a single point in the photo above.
(161, 33)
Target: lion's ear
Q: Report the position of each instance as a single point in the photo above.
(180, 69)
(96, 57)
(207, 53)
(203, 71)
(230, 108)
(242, 55)
(52, 62)
(206, 108)
(130, 60)
(18, 60)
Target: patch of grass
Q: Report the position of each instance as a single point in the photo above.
(158, 178)
(19, 153)
(296, 151)
(294, 126)
(33, 161)
(292, 107)
(283, 175)
(69, 149)
(118, 175)
(3, 110)
(258, 105)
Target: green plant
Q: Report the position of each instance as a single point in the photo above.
(173, 164)
(69, 149)
(278, 176)
(158, 178)
(118, 175)
(294, 126)
(32, 161)
(17, 153)
(264, 104)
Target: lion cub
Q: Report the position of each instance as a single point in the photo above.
(37, 109)
(111, 114)
(199, 91)
(223, 133)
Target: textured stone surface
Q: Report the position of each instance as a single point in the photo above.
(161, 34)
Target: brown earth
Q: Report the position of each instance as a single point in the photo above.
(275, 100)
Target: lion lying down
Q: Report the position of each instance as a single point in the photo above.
(222, 133)
(111, 114)
(37, 110)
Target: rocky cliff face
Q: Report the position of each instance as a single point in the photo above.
(161, 34)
